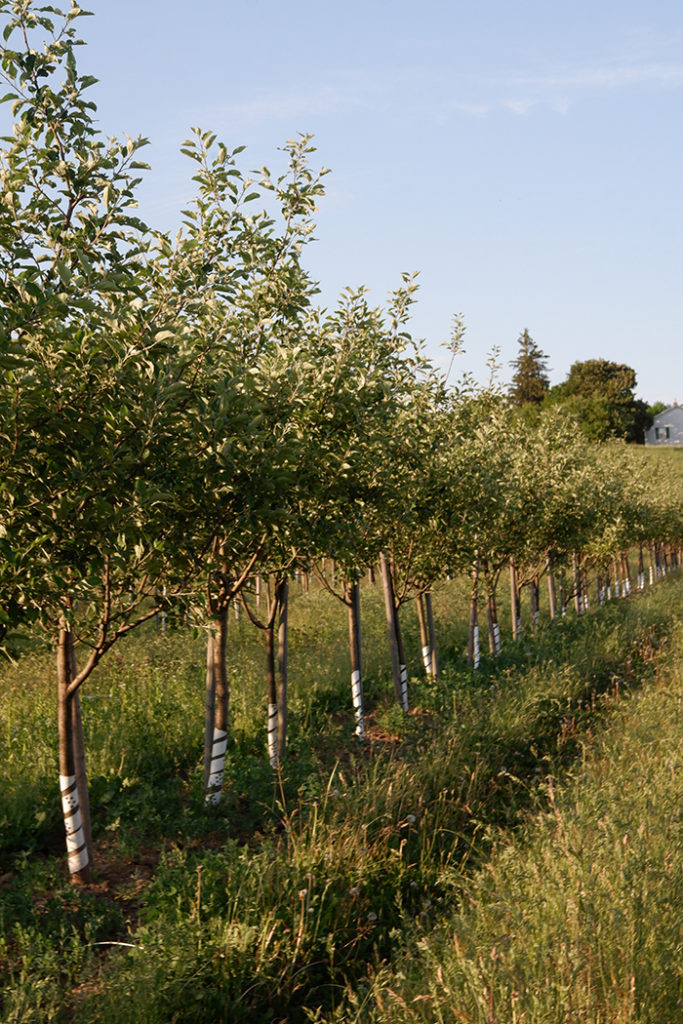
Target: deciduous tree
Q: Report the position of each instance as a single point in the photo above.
(601, 394)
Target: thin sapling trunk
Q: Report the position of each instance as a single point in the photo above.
(552, 595)
(425, 617)
(352, 600)
(641, 568)
(276, 664)
(627, 573)
(534, 602)
(282, 660)
(79, 760)
(515, 604)
(209, 710)
(424, 635)
(576, 580)
(473, 648)
(494, 627)
(398, 664)
(76, 844)
(431, 628)
(219, 740)
(271, 681)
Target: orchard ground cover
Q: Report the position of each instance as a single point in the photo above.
(576, 918)
(308, 891)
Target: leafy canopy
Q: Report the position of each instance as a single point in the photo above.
(601, 395)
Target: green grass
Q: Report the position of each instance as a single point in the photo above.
(577, 918)
(290, 898)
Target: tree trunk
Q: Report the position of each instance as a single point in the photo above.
(473, 649)
(515, 612)
(395, 640)
(641, 568)
(209, 710)
(576, 581)
(219, 740)
(494, 628)
(271, 677)
(533, 601)
(79, 761)
(161, 617)
(80, 771)
(76, 845)
(282, 592)
(617, 578)
(552, 595)
(429, 610)
(627, 573)
(424, 635)
(352, 597)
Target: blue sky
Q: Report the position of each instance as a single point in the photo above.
(524, 157)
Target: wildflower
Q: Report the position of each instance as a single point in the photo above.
(372, 916)
(411, 819)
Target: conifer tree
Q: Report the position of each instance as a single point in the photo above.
(530, 381)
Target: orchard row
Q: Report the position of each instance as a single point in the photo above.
(180, 423)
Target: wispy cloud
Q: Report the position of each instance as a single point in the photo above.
(473, 109)
(520, 106)
(322, 101)
(610, 76)
(521, 93)
(344, 92)
(340, 93)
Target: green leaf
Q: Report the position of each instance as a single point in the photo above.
(63, 271)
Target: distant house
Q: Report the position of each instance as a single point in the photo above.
(667, 427)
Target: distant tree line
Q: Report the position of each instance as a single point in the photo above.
(598, 393)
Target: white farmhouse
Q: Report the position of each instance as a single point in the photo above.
(667, 427)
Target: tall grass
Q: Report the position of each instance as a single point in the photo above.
(579, 917)
(279, 903)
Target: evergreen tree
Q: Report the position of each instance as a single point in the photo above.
(530, 381)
